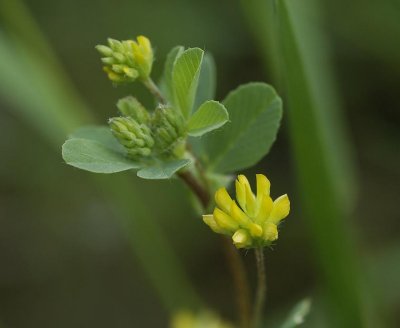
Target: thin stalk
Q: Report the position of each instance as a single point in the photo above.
(261, 287)
(201, 193)
(154, 90)
(239, 276)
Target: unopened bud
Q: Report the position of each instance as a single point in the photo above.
(131, 107)
(169, 131)
(135, 137)
(125, 61)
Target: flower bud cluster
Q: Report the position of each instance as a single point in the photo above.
(253, 220)
(125, 61)
(135, 137)
(131, 107)
(159, 134)
(169, 130)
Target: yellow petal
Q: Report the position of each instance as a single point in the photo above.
(223, 200)
(224, 221)
(239, 216)
(242, 239)
(280, 209)
(264, 209)
(240, 194)
(255, 230)
(263, 187)
(209, 220)
(244, 221)
(270, 232)
(250, 198)
(144, 43)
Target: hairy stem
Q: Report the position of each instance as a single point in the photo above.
(261, 287)
(155, 91)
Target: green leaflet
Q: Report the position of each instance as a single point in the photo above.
(166, 83)
(255, 112)
(185, 78)
(100, 134)
(95, 157)
(163, 170)
(210, 116)
(207, 81)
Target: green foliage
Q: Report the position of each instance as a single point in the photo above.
(95, 149)
(167, 82)
(155, 142)
(185, 76)
(207, 80)
(163, 170)
(255, 111)
(95, 157)
(210, 116)
(101, 134)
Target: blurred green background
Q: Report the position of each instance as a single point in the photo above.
(78, 250)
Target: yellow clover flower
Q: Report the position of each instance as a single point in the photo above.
(253, 220)
(125, 61)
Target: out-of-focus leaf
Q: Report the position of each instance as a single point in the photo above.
(95, 157)
(207, 81)
(255, 112)
(298, 314)
(30, 87)
(164, 170)
(210, 116)
(185, 78)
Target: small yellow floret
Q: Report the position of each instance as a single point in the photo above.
(253, 222)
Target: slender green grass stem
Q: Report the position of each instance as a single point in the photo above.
(261, 287)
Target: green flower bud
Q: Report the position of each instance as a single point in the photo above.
(125, 61)
(131, 107)
(169, 131)
(135, 137)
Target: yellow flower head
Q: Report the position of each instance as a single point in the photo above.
(125, 61)
(251, 220)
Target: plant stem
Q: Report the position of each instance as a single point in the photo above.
(155, 91)
(239, 276)
(261, 287)
(202, 194)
